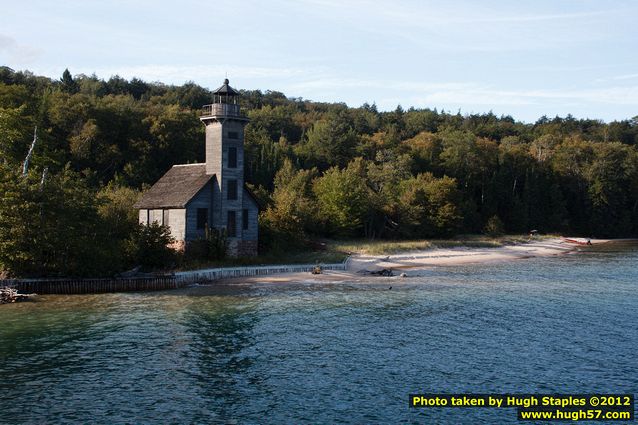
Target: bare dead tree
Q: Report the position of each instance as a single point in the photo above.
(25, 165)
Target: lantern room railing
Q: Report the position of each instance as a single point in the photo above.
(226, 109)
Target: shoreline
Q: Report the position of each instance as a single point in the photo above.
(358, 268)
(437, 257)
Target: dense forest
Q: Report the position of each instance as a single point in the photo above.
(319, 170)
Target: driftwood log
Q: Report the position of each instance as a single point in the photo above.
(382, 272)
(11, 295)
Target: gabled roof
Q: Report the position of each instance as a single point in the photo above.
(252, 196)
(176, 188)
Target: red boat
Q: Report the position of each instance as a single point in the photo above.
(574, 241)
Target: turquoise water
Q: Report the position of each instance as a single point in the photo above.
(326, 353)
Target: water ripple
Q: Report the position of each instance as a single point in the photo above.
(325, 353)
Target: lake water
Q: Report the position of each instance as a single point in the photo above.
(326, 353)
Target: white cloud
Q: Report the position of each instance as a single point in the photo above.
(17, 52)
(487, 96)
(469, 26)
(200, 73)
(466, 93)
(619, 77)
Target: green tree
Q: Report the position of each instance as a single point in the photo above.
(384, 177)
(116, 212)
(276, 121)
(425, 148)
(285, 221)
(148, 246)
(330, 142)
(69, 85)
(343, 199)
(494, 226)
(429, 206)
(612, 174)
(263, 157)
(49, 226)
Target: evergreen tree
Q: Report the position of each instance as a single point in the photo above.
(69, 85)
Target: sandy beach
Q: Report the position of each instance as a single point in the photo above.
(405, 261)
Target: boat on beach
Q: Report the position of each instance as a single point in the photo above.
(577, 242)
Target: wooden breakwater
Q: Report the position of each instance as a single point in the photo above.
(209, 275)
(92, 286)
(156, 283)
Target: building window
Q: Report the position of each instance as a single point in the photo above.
(202, 218)
(233, 135)
(244, 219)
(157, 216)
(231, 225)
(232, 190)
(232, 157)
(165, 218)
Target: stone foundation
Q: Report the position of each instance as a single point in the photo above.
(236, 248)
(248, 248)
(239, 248)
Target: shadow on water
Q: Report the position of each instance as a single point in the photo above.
(34, 327)
(220, 336)
(125, 357)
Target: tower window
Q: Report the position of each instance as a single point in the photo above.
(231, 225)
(244, 219)
(233, 135)
(232, 157)
(202, 218)
(232, 190)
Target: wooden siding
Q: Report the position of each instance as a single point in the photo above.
(252, 233)
(203, 199)
(177, 223)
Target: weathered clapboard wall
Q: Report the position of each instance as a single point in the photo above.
(176, 280)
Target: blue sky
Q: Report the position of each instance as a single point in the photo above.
(524, 59)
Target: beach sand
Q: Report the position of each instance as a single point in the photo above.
(404, 261)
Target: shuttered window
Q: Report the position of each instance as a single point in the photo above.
(244, 219)
(232, 157)
(231, 225)
(202, 218)
(232, 190)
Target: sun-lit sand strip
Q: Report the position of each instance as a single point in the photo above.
(403, 262)
(457, 256)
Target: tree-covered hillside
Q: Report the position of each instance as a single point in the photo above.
(320, 169)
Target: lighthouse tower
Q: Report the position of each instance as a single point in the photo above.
(225, 160)
(191, 198)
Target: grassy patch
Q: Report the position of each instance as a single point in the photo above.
(379, 247)
(364, 246)
(292, 257)
(336, 251)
